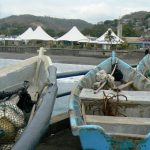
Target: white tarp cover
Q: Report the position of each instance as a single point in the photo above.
(73, 35)
(103, 40)
(26, 34)
(10, 39)
(39, 34)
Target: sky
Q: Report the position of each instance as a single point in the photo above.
(92, 11)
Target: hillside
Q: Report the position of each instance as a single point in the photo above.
(17, 24)
(134, 24)
(136, 15)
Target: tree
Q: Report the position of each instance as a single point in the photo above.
(109, 37)
(129, 31)
(51, 32)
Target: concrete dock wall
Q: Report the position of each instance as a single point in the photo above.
(69, 52)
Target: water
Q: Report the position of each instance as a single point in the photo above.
(64, 85)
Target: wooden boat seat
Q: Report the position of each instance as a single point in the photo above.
(93, 119)
(131, 127)
(133, 97)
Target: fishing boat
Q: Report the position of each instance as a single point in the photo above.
(28, 92)
(110, 108)
(144, 66)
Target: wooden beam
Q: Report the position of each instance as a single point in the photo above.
(133, 97)
(117, 120)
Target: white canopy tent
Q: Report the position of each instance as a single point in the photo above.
(11, 39)
(26, 34)
(103, 40)
(38, 34)
(73, 35)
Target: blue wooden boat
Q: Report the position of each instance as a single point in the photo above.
(144, 66)
(28, 92)
(112, 117)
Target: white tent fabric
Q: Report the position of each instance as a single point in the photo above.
(11, 39)
(103, 40)
(38, 34)
(26, 34)
(73, 35)
(87, 41)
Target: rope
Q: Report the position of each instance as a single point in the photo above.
(108, 108)
(105, 78)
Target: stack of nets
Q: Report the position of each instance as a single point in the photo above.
(11, 122)
(101, 77)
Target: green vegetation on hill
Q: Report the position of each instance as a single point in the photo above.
(98, 29)
(15, 25)
(134, 24)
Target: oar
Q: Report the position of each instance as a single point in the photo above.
(63, 94)
(103, 84)
(33, 109)
(37, 100)
(125, 85)
(32, 114)
(72, 74)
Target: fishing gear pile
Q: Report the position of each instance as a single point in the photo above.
(102, 77)
(12, 119)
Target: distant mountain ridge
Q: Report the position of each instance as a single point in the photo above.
(134, 24)
(136, 15)
(56, 25)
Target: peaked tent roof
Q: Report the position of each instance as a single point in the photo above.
(38, 34)
(26, 34)
(73, 35)
(102, 39)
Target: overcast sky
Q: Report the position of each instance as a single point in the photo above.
(90, 10)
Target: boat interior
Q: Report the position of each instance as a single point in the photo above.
(30, 70)
(22, 84)
(119, 107)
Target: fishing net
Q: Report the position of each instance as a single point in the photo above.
(6, 146)
(11, 121)
(102, 77)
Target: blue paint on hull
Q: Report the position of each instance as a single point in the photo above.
(94, 137)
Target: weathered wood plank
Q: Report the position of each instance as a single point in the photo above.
(135, 97)
(117, 120)
(122, 86)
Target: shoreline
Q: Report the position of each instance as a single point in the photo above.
(130, 59)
